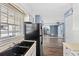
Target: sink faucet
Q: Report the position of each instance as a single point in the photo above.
(14, 43)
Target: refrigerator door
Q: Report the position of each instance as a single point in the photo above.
(33, 31)
(41, 45)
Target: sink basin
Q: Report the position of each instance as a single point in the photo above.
(15, 51)
(25, 44)
(18, 50)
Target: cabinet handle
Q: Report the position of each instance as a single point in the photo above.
(66, 48)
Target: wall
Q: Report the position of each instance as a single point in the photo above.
(26, 18)
(9, 42)
(29, 14)
(76, 22)
(52, 20)
(72, 25)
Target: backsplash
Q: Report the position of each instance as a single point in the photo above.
(9, 43)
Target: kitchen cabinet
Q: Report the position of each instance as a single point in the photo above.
(70, 49)
(23, 48)
(76, 17)
(68, 20)
(66, 51)
(71, 19)
(11, 22)
(32, 50)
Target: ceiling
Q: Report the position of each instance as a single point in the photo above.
(50, 12)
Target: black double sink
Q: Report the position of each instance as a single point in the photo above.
(18, 50)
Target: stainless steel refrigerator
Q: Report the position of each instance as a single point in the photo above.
(33, 31)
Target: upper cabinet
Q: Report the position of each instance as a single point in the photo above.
(68, 13)
(68, 19)
(11, 21)
(76, 17)
(72, 24)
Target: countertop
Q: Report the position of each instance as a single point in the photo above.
(72, 46)
(13, 51)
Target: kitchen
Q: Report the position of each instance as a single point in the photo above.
(36, 29)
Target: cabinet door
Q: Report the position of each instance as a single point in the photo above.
(66, 51)
(69, 28)
(31, 51)
(34, 50)
(4, 30)
(76, 17)
(3, 18)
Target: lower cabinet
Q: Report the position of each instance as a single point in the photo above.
(73, 53)
(32, 50)
(68, 51)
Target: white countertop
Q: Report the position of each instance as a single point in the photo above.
(72, 46)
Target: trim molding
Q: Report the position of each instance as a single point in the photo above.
(19, 7)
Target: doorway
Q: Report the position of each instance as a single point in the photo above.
(53, 38)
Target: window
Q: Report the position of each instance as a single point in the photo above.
(11, 21)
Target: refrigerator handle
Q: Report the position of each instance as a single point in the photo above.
(40, 35)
